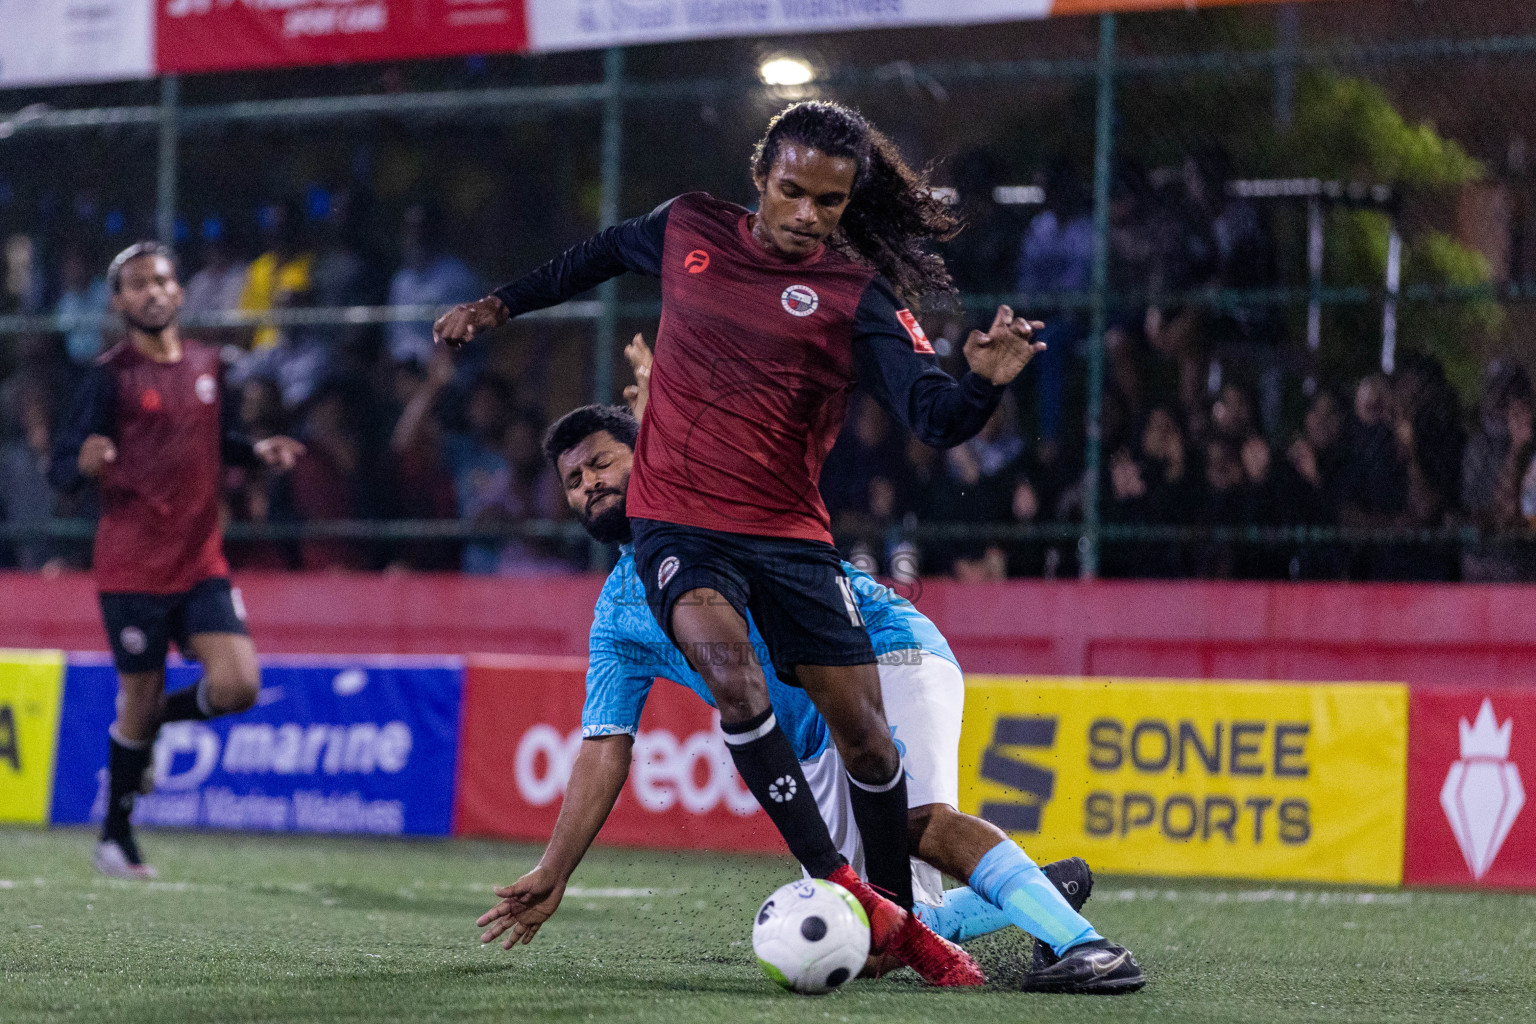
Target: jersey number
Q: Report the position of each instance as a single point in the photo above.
(854, 618)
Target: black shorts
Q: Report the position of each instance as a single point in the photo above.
(140, 627)
(800, 598)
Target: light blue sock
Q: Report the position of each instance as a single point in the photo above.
(964, 916)
(1009, 880)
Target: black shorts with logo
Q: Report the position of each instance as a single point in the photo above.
(140, 627)
(801, 600)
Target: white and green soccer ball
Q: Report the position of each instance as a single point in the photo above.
(811, 936)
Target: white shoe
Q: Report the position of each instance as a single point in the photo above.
(112, 861)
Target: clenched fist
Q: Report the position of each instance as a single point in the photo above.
(460, 323)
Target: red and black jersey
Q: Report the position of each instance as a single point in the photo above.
(159, 530)
(755, 356)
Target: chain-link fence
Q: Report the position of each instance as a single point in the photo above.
(1284, 254)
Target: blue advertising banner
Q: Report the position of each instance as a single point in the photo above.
(333, 745)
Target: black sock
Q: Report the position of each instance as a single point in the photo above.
(767, 764)
(186, 705)
(881, 814)
(125, 769)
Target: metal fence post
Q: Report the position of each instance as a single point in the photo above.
(607, 324)
(1104, 137)
(612, 182)
(165, 178)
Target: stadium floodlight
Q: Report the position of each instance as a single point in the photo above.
(783, 70)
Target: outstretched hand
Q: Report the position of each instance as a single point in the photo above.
(281, 453)
(460, 323)
(1001, 353)
(639, 393)
(525, 905)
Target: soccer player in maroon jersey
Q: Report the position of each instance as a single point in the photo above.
(149, 425)
(768, 320)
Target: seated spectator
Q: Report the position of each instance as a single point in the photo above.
(427, 277)
(423, 486)
(26, 498)
(21, 284)
(285, 268)
(1427, 420)
(1224, 503)
(325, 480)
(475, 457)
(302, 356)
(533, 492)
(1492, 473)
(1314, 468)
(868, 449)
(1056, 258)
(82, 292)
(253, 495)
(218, 285)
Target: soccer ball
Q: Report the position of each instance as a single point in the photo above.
(811, 936)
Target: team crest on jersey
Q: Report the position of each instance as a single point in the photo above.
(920, 342)
(696, 262)
(669, 567)
(799, 300)
(207, 389)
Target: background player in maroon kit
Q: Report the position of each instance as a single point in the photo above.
(768, 319)
(149, 425)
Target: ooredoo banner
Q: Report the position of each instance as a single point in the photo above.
(1163, 777)
(361, 746)
(1471, 754)
(522, 732)
(30, 685)
(221, 35)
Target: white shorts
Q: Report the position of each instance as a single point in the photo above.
(924, 704)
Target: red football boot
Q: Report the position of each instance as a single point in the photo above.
(896, 933)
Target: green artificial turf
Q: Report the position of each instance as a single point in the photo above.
(259, 928)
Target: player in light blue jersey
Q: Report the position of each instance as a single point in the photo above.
(924, 694)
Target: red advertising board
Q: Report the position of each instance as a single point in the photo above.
(520, 733)
(1471, 759)
(217, 35)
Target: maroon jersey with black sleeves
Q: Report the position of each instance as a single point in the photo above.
(159, 531)
(755, 356)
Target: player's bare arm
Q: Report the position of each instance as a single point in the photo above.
(1001, 352)
(459, 325)
(596, 780)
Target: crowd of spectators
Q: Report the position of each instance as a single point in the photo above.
(1193, 430)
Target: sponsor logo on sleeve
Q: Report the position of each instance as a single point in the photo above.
(799, 300)
(920, 342)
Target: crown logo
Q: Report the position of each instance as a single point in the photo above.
(1485, 738)
(1483, 793)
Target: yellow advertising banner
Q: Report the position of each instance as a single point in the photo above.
(1301, 781)
(31, 688)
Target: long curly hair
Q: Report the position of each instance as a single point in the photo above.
(893, 214)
